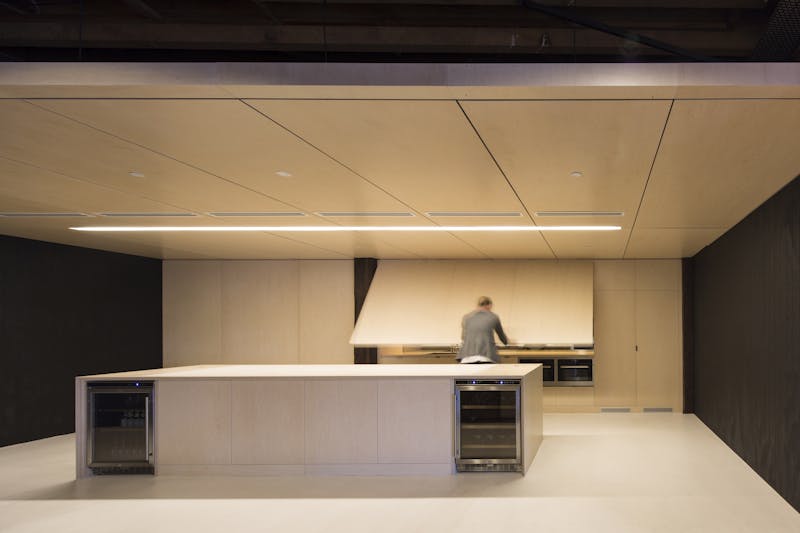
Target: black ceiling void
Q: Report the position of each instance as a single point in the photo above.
(782, 36)
(532, 31)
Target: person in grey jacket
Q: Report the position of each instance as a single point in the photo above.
(477, 334)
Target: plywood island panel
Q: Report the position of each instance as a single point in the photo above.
(312, 419)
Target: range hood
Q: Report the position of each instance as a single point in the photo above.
(420, 303)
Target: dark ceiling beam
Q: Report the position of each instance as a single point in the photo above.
(493, 16)
(266, 10)
(144, 9)
(672, 4)
(571, 15)
(165, 35)
(21, 7)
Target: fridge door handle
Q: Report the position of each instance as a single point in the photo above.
(148, 452)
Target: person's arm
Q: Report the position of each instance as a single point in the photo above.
(500, 333)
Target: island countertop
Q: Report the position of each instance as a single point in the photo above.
(305, 419)
(455, 371)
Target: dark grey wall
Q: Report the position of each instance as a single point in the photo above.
(68, 311)
(747, 340)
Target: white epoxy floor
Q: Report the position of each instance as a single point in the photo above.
(594, 472)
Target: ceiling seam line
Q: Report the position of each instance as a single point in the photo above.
(92, 183)
(647, 181)
(505, 177)
(175, 159)
(329, 156)
(304, 243)
(328, 250)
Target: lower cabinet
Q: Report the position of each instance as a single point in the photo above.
(268, 422)
(415, 421)
(210, 423)
(193, 422)
(341, 421)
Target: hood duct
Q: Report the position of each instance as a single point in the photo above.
(421, 303)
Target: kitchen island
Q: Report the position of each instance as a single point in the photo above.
(311, 419)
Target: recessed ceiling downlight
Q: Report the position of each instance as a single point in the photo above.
(135, 174)
(283, 174)
(576, 174)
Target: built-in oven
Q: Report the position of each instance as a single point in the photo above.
(120, 436)
(575, 372)
(562, 372)
(548, 369)
(488, 425)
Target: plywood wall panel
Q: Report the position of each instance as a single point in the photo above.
(659, 357)
(326, 312)
(192, 312)
(259, 312)
(239, 312)
(615, 348)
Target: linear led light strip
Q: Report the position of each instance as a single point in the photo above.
(300, 229)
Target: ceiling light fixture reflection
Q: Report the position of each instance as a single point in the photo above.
(328, 229)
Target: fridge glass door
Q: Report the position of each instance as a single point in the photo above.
(120, 431)
(488, 423)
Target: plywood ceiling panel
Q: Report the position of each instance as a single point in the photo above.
(232, 140)
(354, 244)
(539, 144)
(57, 192)
(512, 245)
(433, 245)
(588, 245)
(669, 243)
(423, 152)
(252, 245)
(719, 160)
(49, 141)
(50, 231)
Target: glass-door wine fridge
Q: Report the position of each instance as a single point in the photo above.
(488, 426)
(120, 429)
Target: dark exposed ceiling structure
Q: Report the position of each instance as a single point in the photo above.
(400, 30)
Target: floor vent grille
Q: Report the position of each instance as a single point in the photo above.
(657, 410)
(615, 409)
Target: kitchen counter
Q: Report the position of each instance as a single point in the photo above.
(311, 419)
(319, 372)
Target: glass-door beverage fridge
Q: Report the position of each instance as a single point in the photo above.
(488, 425)
(120, 429)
